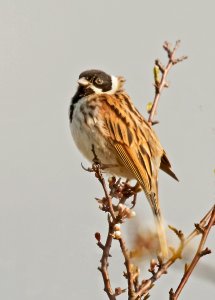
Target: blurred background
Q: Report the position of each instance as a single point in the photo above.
(48, 215)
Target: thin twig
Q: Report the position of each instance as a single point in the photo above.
(96, 167)
(111, 210)
(129, 273)
(116, 215)
(163, 267)
(124, 191)
(199, 253)
(161, 83)
(202, 223)
(104, 265)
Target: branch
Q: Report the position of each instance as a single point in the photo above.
(161, 83)
(104, 265)
(163, 267)
(201, 224)
(129, 273)
(199, 253)
(117, 214)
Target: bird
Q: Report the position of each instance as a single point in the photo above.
(103, 115)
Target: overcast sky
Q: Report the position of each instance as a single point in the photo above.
(48, 215)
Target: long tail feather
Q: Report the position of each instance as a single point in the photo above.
(161, 236)
(154, 202)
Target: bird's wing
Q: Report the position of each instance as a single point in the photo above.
(133, 140)
(138, 148)
(166, 166)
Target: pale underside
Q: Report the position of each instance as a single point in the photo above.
(121, 137)
(85, 134)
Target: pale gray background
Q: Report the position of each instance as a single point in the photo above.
(47, 213)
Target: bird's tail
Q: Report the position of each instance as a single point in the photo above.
(154, 202)
(152, 196)
(161, 236)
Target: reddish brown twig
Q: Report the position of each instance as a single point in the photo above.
(161, 83)
(117, 214)
(97, 170)
(199, 253)
(146, 285)
(129, 271)
(104, 265)
(201, 224)
(163, 267)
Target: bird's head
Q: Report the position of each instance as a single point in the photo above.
(99, 82)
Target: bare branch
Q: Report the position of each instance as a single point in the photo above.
(117, 214)
(163, 267)
(161, 83)
(104, 265)
(129, 274)
(199, 253)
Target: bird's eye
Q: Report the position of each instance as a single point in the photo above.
(98, 81)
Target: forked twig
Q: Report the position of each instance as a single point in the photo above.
(104, 265)
(199, 253)
(161, 83)
(116, 215)
(136, 290)
(163, 267)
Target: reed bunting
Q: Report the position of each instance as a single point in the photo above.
(102, 114)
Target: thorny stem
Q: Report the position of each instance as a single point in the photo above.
(160, 84)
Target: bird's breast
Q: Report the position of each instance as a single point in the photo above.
(86, 128)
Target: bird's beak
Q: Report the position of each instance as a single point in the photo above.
(82, 81)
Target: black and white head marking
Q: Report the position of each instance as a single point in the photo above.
(94, 82)
(99, 81)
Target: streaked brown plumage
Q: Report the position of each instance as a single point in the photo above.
(102, 114)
